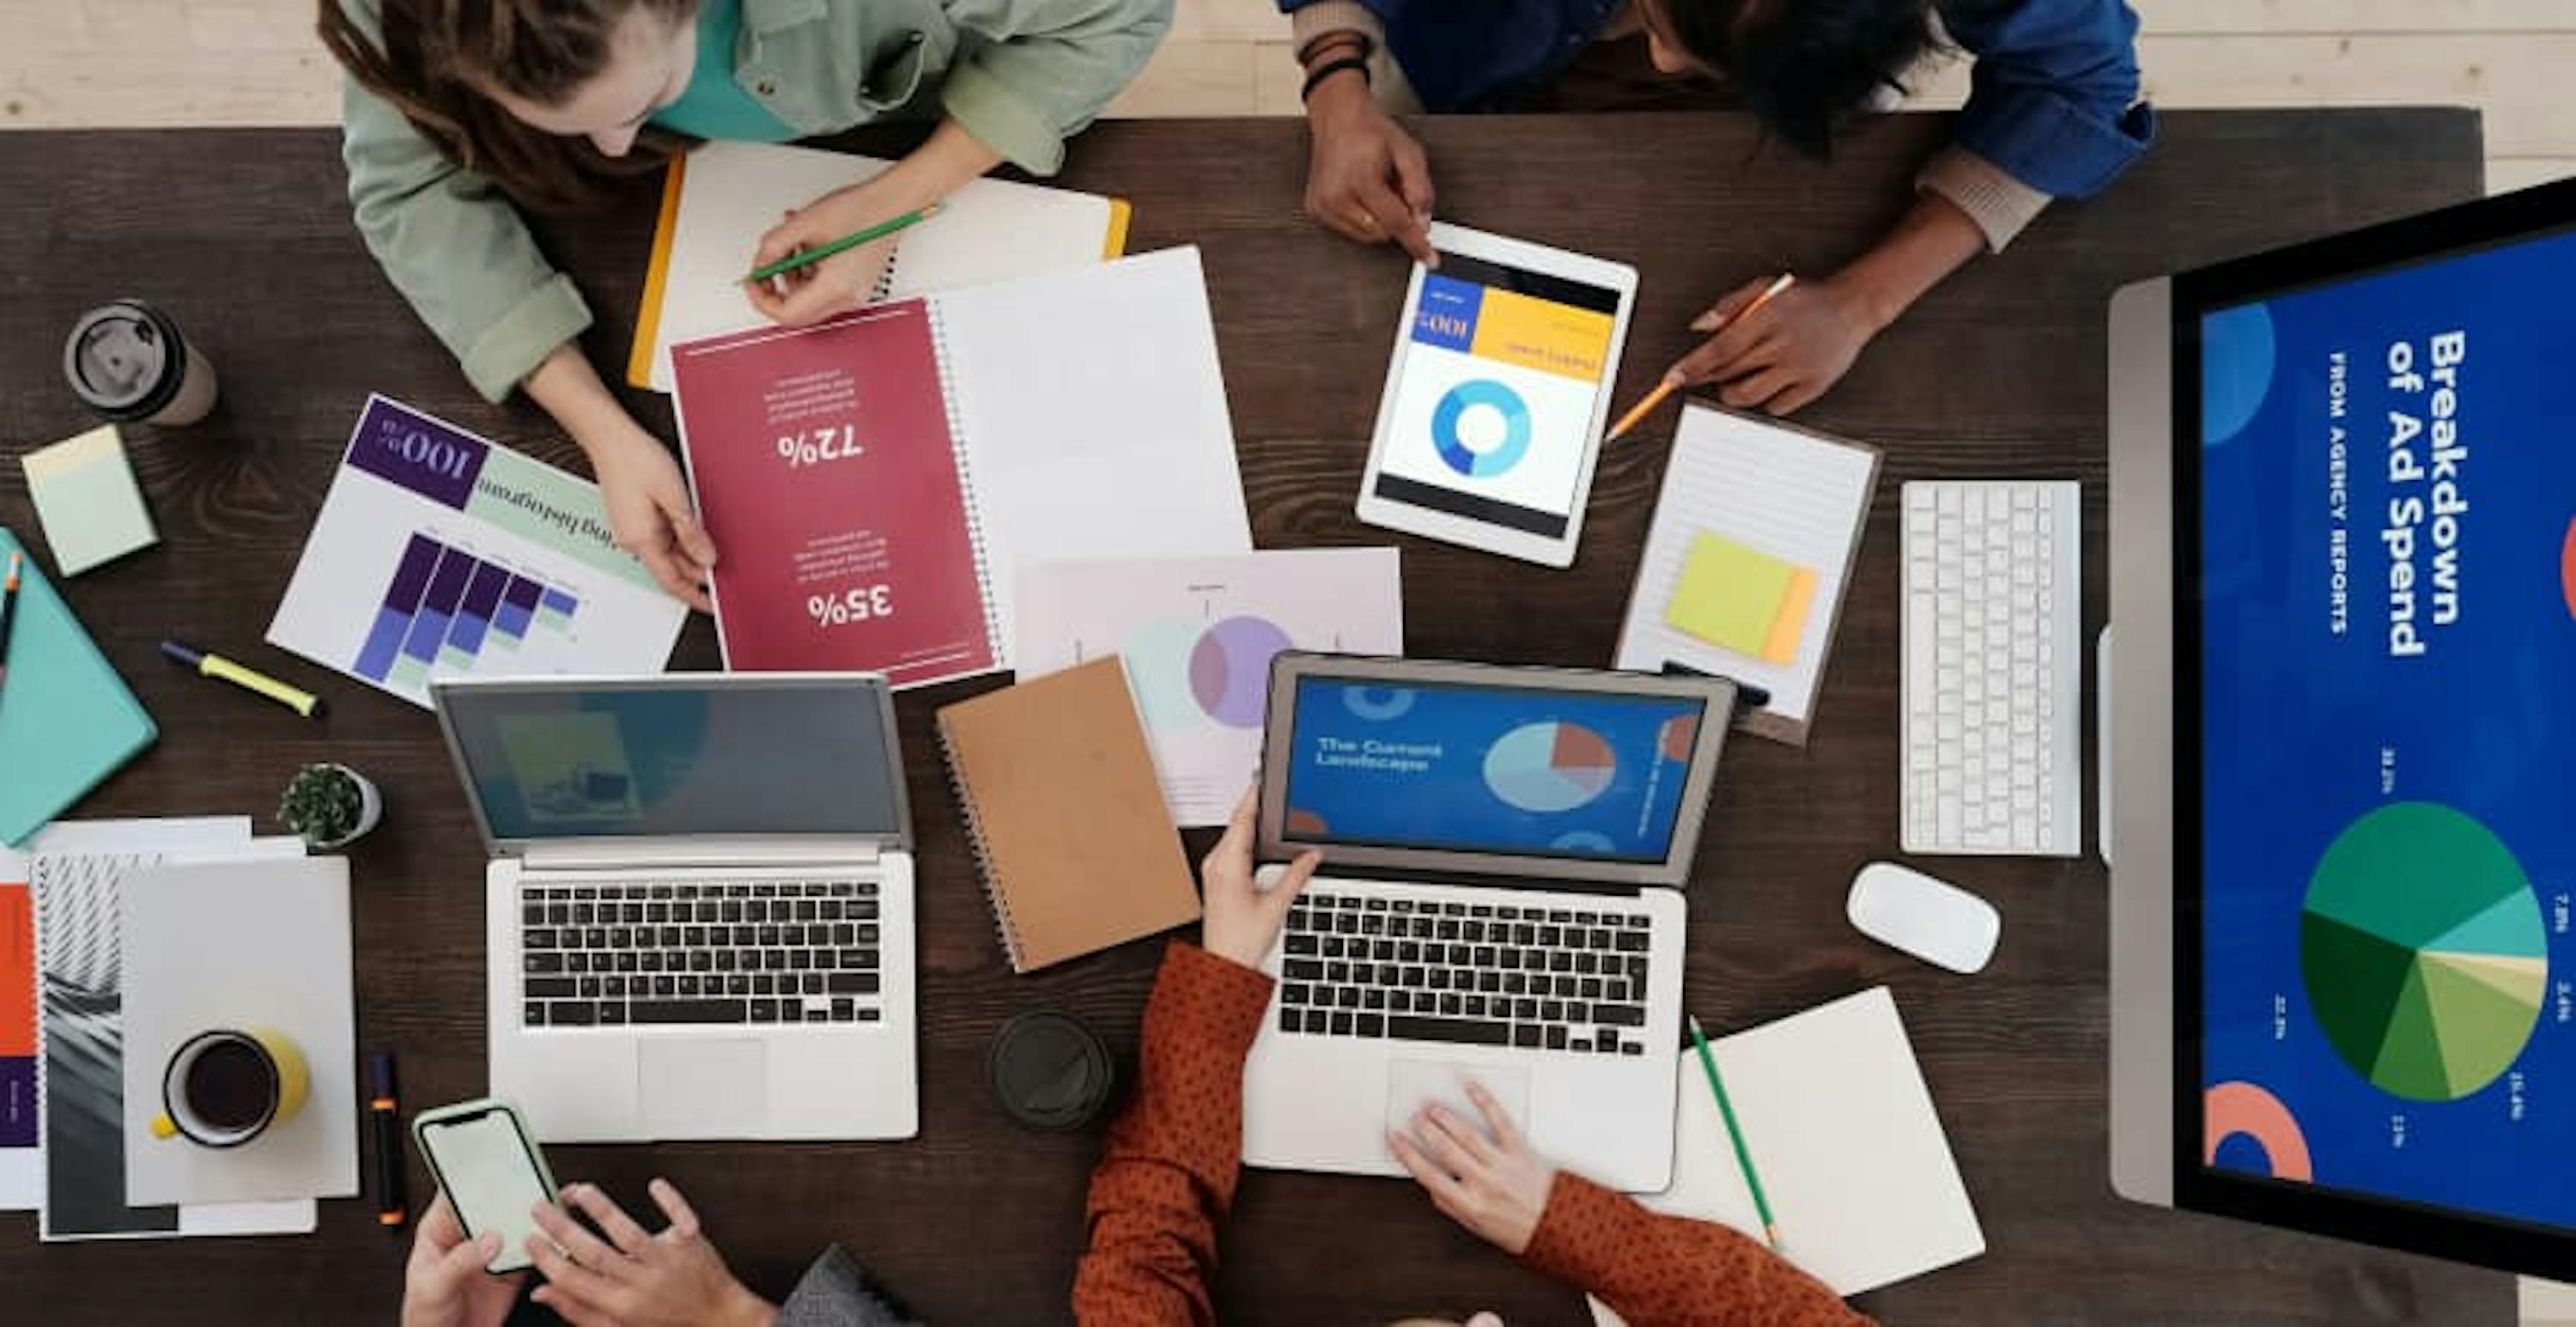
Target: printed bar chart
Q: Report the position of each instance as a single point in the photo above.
(444, 606)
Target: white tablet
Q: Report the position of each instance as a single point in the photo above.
(1496, 396)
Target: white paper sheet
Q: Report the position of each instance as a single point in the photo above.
(226, 944)
(1095, 419)
(1198, 635)
(1844, 1135)
(1772, 489)
(733, 193)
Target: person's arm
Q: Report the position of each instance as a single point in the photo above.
(1789, 351)
(1366, 178)
(1654, 1270)
(2053, 108)
(1166, 1181)
(949, 158)
(1657, 1270)
(453, 245)
(458, 252)
(1044, 69)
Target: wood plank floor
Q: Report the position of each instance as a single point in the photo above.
(87, 63)
(172, 62)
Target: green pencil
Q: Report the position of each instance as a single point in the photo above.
(1735, 1135)
(847, 242)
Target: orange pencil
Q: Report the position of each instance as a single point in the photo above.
(1667, 386)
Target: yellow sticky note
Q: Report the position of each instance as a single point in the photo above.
(1741, 599)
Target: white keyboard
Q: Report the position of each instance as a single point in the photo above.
(1992, 720)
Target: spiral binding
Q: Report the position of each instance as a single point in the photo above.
(974, 514)
(986, 870)
(884, 288)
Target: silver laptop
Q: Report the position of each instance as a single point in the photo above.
(1501, 902)
(699, 912)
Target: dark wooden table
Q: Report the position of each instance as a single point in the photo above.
(245, 237)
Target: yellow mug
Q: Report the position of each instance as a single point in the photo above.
(225, 1087)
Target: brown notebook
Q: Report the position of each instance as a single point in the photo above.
(1067, 818)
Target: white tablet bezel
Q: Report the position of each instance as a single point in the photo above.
(1396, 515)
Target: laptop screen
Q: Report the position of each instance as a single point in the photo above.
(1516, 771)
(558, 762)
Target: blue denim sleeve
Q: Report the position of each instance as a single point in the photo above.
(2053, 96)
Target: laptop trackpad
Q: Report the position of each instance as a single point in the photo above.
(1412, 1085)
(701, 1088)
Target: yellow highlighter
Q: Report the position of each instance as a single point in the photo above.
(215, 665)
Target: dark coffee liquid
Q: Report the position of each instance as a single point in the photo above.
(230, 1086)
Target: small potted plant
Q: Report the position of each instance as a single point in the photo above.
(330, 805)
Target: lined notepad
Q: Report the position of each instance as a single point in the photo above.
(721, 198)
(1794, 501)
(1838, 1121)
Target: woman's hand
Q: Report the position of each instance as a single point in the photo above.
(844, 281)
(650, 513)
(1784, 354)
(632, 1279)
(1494, 1185)
(444, 1284)
(1365, 176)
(1242, 917)
(648, 504)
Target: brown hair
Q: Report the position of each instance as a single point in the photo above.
(439, 57)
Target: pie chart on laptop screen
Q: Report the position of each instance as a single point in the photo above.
(1550, 767)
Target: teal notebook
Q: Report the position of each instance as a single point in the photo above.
(66, 719)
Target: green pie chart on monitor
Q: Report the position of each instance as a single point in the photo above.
(2423, 951)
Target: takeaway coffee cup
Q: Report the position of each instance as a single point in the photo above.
(225, 1087)
(127, 361)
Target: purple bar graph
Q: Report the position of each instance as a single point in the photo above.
(446, 586)
(518, 603)
(481, 594)
(393, 619)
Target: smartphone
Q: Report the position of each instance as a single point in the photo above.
(487, 1163)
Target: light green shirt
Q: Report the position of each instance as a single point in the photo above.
(1019, 75)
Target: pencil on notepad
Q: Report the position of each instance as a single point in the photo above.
(808, 257)
(1668, 386)
(1735, 1135)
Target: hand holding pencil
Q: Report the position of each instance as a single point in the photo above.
(827, 257)
(1687, 372)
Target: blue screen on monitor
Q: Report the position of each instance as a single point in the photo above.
(2388, 577)
(1526, 772)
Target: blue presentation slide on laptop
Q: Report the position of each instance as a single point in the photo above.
(1481, 769)
(2389, 634)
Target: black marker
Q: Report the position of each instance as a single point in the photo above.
(391, 1208)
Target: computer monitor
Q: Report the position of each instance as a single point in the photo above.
(2342, 735)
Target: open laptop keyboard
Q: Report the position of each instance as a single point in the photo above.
(1562, 979)
(749, 952)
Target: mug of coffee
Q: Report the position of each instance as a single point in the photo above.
(225, 1087)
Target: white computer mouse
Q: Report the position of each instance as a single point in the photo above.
(1933, 920)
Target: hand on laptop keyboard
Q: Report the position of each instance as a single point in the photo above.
(1243, 918)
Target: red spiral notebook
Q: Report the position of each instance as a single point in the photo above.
(874, 483)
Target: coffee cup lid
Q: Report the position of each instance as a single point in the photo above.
(125, 359)
(1050, 1071)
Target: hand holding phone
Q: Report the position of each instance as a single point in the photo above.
(490, 1171)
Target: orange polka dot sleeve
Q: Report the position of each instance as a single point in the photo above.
(1668, 1271)
(1167, 1178)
